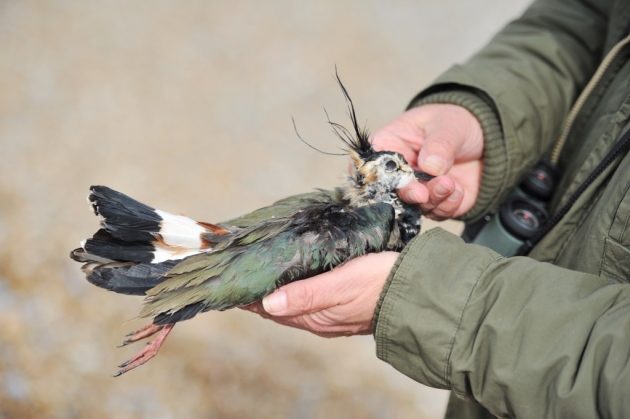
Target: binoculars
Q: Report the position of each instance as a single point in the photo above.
(520, 217)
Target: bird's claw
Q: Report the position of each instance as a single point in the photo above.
(144, 332)
(149, 351)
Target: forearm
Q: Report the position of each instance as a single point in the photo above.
(506, 332)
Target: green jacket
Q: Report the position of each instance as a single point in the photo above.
(546, 335)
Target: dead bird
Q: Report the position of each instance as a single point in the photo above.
(184, 267)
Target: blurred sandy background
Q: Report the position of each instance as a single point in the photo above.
(186, 106)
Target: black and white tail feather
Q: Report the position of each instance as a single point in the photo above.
(137, 244)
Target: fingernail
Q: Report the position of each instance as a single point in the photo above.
(275, 303)
(435, 164)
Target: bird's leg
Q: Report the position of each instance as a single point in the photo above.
(150, 350)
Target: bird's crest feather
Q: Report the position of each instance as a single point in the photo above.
(359, 141)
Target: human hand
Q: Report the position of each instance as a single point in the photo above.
(340, 302)
(443, 140)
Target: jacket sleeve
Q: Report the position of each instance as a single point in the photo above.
(523, 338)
(528, 75)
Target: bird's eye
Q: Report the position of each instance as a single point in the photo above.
(390, 165)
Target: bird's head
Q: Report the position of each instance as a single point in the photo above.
(380, 172)
(375, 175)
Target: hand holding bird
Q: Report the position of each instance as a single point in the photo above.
(443, 140)
(340, 302)
(185, 267)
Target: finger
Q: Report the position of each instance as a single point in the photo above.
(414, 193)
(306, 296)
(318, 324)
(436, 156)
(439, 189)
(253, 307)
(448, 207)
(303, 322)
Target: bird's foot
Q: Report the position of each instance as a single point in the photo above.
(149, 351)
(148, 330)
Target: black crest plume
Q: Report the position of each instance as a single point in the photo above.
(359, 142)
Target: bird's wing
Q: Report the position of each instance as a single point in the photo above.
(242, 225)
(285, 207)
(313, 240)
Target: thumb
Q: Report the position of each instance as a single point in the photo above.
(436, 156)
(302, 297)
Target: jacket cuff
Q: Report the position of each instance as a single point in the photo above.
(422, 303)
(495, 152)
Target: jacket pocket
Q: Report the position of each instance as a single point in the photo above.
(615, 261)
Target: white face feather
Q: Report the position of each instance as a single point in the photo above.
(389, 172)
